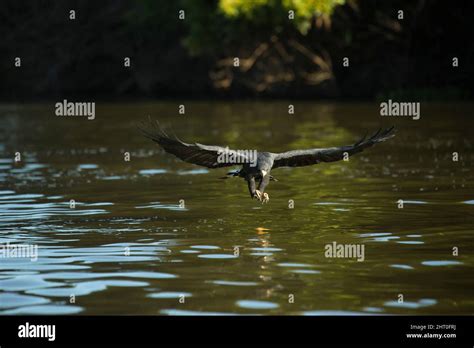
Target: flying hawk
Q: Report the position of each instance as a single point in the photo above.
(259, 168)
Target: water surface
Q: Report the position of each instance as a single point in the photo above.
(155, 236)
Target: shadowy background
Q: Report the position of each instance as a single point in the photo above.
(193, 57)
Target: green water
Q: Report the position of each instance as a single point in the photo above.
(130, 247)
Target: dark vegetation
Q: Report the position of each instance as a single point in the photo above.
(409, 58)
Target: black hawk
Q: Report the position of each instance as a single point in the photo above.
(256, 169)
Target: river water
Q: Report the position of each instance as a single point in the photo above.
(156, 236)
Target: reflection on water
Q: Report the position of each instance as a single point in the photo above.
(256, 304)
(157, 236)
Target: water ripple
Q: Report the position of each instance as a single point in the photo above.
(441, 263)
(217, 256)
(254, 304)
(233, 283)
(169, 294)
(18, 208)
(411, 305)
(159, 205)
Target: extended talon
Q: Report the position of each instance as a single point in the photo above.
(258, 195)
(265, 198)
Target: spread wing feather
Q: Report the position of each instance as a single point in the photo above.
(299, 158)
(203, 155)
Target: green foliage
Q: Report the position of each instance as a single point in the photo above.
(304, 10)
(214, 25)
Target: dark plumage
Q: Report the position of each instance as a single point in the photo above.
(210, 156)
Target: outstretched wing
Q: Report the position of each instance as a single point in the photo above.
(299, 158)
(203, 155)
